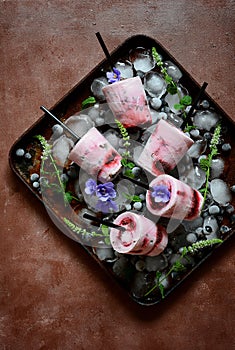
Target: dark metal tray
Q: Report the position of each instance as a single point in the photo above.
(71, 104)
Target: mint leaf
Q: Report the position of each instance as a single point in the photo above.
(130, 165)
(204, 164)
(186, 100)
(159, 284)
(88, 101)
(178, 106)
(105, 229)
(168, 78)
(172, 89)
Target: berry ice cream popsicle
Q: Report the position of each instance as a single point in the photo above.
(94, 154)
(164, 149)
(141, 237)
(171, 198)
(127, 100)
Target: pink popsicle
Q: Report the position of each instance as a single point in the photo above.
(94, 154)
(142, 236)
(127, 100)
(164, 149)
(184, 203)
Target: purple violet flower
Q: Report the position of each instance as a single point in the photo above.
(105, 191)
(161, 194)
(90, 187)
(113, 76)
(106, 206)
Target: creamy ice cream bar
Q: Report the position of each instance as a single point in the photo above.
(141, 237)
(171, 198)
(94, 154)
(127, 100)
(164, 149)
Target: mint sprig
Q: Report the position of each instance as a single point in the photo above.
(172, 87)
(60, 185)
(205, 163)
(81, 231)
(178, 266)
(127, 164)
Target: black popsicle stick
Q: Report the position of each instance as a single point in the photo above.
(104, 48)
(66, 128)
(137, 182)
(194, 104)
(103, 221)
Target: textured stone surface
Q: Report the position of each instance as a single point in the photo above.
(52, 294)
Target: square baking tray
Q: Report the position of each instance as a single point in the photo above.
(71, 104)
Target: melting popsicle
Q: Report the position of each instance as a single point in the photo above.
(127, 100)
(141, 236)
(93, 153)
(172, 198)
(164, 149)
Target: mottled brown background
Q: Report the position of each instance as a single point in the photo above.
(52, 294)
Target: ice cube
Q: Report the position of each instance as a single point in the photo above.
(142, 59)
(173, 70)
(206, 119)
(198, 148)
(217, 168)
(220, 192)
(171, 100)
(113, 137)
(195, 177)
(105, 254)
(139, 284)
(125, 68)
(61, 148)
(154, 84)
(175, 119)
(156, 263)
(80, 124)
(121, 268)
(191, 226)
(96, 87)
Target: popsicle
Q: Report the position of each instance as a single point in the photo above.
(141, 236)
(164, 149)
(171, 198)
(127, 100)
(94, 154)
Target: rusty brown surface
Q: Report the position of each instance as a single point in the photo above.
(52, 294)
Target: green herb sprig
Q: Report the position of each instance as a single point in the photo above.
(88, 102)
(171, 85)
(133, 198)
(81, 231)
(205, 163)
(61, 185)
(178, 266)
(126, 154)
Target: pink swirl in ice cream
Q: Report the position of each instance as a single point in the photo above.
(141, 236)
(127, 100)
